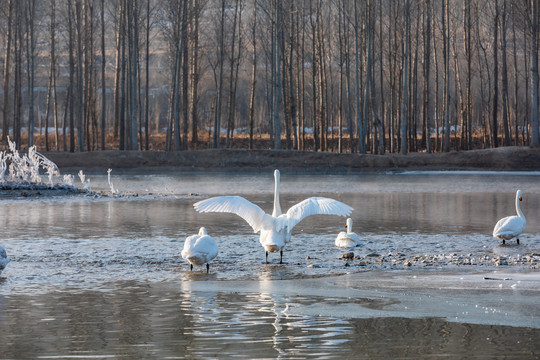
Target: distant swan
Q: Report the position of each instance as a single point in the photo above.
(3, 259)
(347, 239)
(276, 228)
(200, 249)
(511, 226)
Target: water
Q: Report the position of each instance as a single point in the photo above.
(98, 278)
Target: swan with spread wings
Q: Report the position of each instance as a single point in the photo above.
(275, 229)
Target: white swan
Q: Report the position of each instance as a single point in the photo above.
(4, 260)
(511, 226)
(200, 249)
(347, 239)
(276, 228)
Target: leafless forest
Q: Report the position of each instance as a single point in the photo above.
(369, 76)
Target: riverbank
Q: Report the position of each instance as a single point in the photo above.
(500, 159)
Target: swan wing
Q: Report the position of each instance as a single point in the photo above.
(509, 227)
(316, 206)
(248, 211)
(188, 245)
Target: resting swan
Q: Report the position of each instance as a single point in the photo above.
(200, 249)
(4, 260)
(511, 226)
(276, 228)
(347, 239)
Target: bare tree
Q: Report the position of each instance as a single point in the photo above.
(405, 82)
(7, 67)
(504, 94)
(30, 17)
(494, 124)
(253, 74)
(51, 89)
(534, 72)
(221, 56)
(446, 57)
(426, 110)
(103, 79)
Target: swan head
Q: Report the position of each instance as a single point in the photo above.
(518, 195)
(202, 231)
(276, 174)
(349, 223)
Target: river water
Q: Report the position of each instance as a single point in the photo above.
(102, 277)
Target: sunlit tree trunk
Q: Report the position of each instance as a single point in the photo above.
(534, 73)
(7, 68)
(221, 56)
(468, 55)
(80, 92)
(196, 8)
(277, 70)
(504, 19)
(426, 105)
(405, 82)
(18, 61)
(359, 122)
(494, 124)
(103, 80)
(446, 56)
(30, 7)
(253, 74)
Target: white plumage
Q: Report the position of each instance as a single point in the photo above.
(347, 239)
(4, 260)
(511, 226)
(275, 229)
(200, 249)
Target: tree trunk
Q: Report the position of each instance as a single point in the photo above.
(195, 73)
(359, 122)
(446, 56)
(277, 77)
(426, 109)
(7, 68)
(253, 75)
(80, 93)
(495, 75)
(534, 73)
(221, 54)
(103, 80)
(405, 83)
(504, 76)
(30, 19)
(468, 55)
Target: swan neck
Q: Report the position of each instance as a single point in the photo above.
(277, 207)
(518, 208)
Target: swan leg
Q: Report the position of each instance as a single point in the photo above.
(281, 256)
(266, 257)
(190, 267)
(504, 241)
(207, 267)
(518, 241)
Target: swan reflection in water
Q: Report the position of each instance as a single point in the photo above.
(258, 321)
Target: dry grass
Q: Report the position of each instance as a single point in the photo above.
(157, 142)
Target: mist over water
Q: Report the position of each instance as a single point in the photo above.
(115, 262)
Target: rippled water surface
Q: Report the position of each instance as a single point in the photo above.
(103, 277)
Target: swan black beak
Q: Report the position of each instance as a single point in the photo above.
(520, 198)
